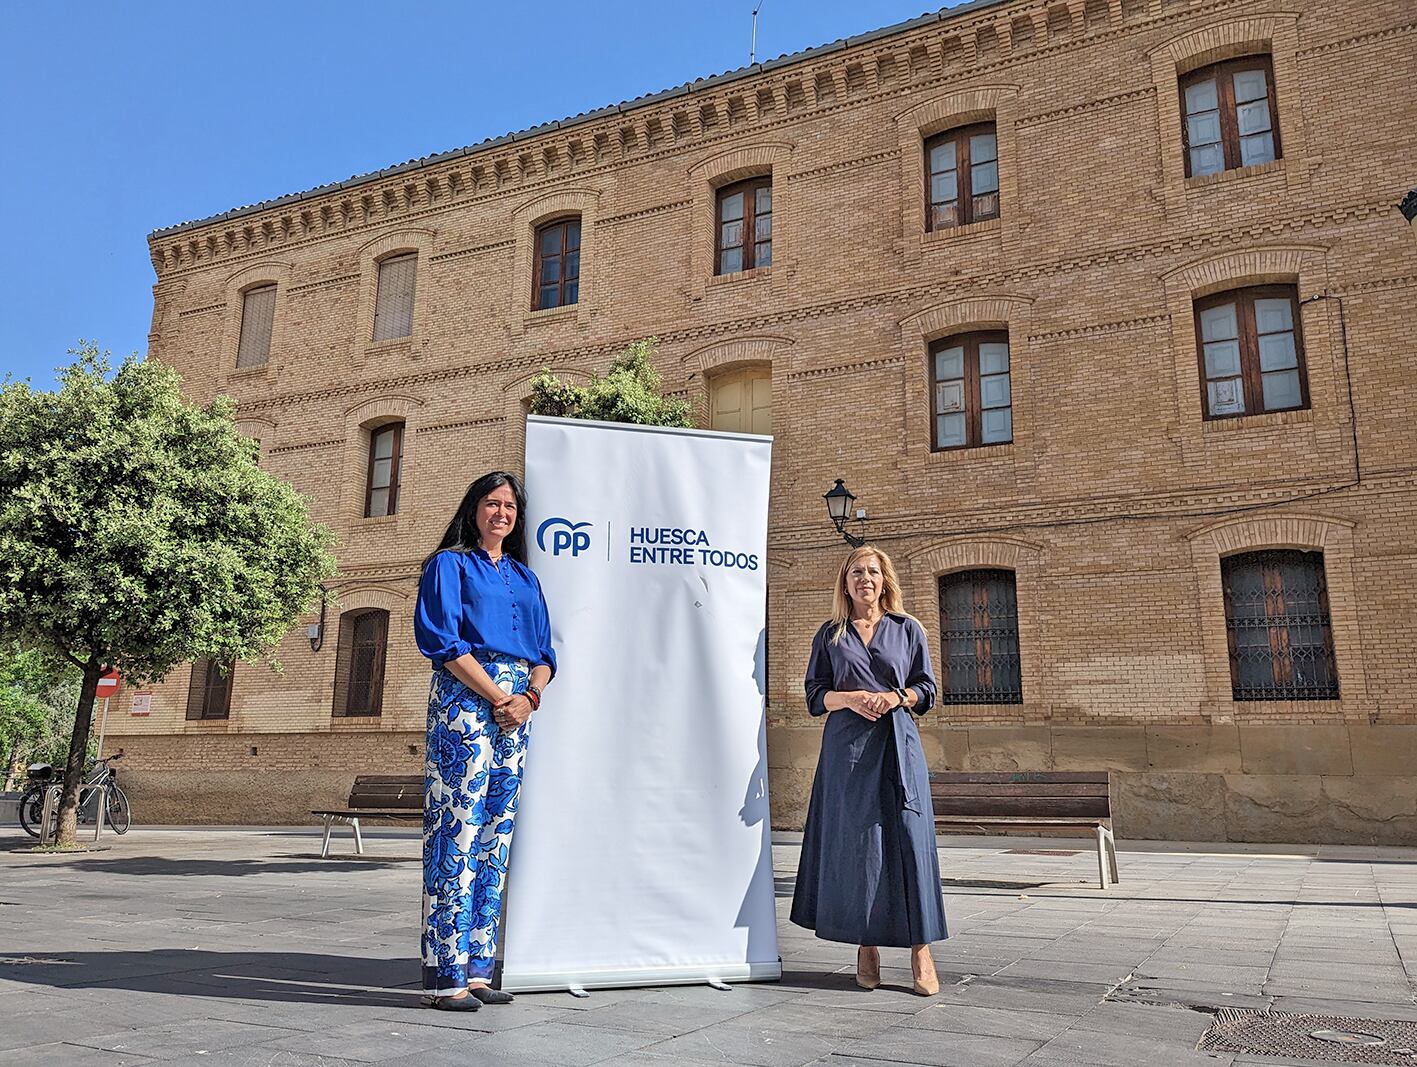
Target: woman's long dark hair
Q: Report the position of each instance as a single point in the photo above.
(462, 535)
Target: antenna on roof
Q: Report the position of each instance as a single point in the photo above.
(753, 52)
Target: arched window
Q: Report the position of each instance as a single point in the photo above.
(971, 391)
(1251, 352)
(359, 662)
(385, 471)
(258, 314)
(1228, 116)
(393, 303)
(962, 177)
(743, 237)
(1277, 626)
(558, 264)
(740, 401)
(979, 638)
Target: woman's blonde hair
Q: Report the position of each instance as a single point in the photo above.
(891, 600)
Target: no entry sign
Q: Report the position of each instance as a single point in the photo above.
(107, 685)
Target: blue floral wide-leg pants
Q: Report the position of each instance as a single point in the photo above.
(472, 778)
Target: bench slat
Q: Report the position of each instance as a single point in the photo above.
(385, 801)
(371, 813)
(1090, 807)
(1018, 777)
(1014, 823)
(1032, 789)
(403, 792)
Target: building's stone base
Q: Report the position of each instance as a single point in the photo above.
(1340, 783)
(1336, 783)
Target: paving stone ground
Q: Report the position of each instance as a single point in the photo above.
(240, 946)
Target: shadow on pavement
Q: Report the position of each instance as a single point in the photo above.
(233, 868)
(283, 977)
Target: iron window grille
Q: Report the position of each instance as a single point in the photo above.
(979, 635)
(558, 265)
(743, 235)
(1277, 626)
(359, 663)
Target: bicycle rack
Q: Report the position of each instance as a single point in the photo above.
(48, 827)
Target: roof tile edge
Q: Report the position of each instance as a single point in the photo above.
(711, 81)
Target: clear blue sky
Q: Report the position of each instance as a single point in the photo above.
(121, 118)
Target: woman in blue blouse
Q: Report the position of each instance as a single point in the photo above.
(482, 620)
(869, 874)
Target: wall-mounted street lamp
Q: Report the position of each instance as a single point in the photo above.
(1408, 207)
(839, 501)
(316, 632)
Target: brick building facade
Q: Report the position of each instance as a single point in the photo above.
(1103, 308)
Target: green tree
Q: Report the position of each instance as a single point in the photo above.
(38, 692)
(629, 392)
(137, 532)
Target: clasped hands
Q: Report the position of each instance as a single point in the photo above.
(870, 706)
(510, 712)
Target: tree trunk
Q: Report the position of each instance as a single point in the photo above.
(68, 816)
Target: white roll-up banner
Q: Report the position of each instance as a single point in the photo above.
(642, 853)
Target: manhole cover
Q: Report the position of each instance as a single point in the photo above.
(1039, 852)
(1312, 1037)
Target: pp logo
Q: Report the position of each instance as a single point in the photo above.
(565, 536)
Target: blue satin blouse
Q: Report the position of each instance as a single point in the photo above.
(467, 603)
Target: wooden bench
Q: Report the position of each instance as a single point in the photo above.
(1035, 800)
(375, 796)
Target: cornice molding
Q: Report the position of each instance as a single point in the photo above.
(1145, 322)
(1362, 38)
(912, 60)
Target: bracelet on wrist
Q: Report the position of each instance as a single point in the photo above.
(533, 696)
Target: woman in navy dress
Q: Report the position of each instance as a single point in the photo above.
(482, 621)
(869, 874)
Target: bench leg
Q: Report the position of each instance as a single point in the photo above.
(325, 844)
(1112, 854)
(1102, 836)
(358, 840)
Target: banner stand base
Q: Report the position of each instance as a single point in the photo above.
(578, 982)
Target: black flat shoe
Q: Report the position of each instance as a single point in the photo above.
(488, 995)
(467, 1003)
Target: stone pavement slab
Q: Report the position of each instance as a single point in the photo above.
(240, 947)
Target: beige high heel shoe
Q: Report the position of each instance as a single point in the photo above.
(868, 967)
(926, 984)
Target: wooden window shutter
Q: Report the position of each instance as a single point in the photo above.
(209, 694)
(393, 306)
(197, 690)
(258, 314)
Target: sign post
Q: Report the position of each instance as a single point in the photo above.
(107, 688)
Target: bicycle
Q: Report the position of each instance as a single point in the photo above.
(41, 777)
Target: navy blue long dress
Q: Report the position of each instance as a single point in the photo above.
(869, 873)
